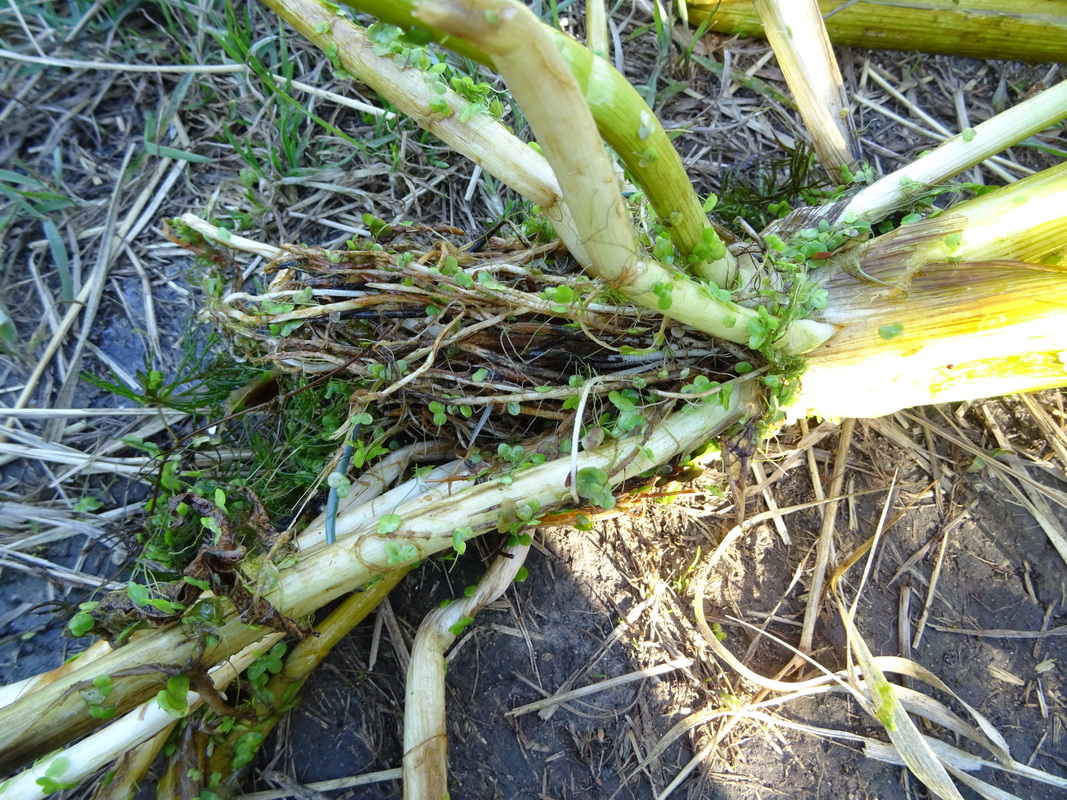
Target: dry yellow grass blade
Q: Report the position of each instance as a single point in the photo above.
(930, 759)
(802, 48)
(881, 695)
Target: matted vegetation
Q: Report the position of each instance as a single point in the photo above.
(464, 335)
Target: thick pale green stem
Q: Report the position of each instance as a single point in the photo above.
(960, 152)
(802, 47)
(636, 136)
(654, 286)
(90, 755)
(596, 27)
(1022, 30)
(623, 119)
(548, 94)
(55, 712)
(425, 738)
(527, 57)
(946, 309)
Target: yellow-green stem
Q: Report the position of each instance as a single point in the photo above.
(425, 737)
(303, 658)
(962, 332)
(526, 55)
(967, 148)
(596, 27)
(948, 308)
(623, 119)
(1023, 221)
(55, 713)
(1022, 30)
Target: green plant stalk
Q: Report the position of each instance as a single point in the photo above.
(693, 304)
(127, 730)
(596, 28)
(969, 317)
(525, 54)
(1022, 30)
(1023, 221)
(41, 722)
(483, 139)
(131, 767)
(308, 654)
(966, 331)
(13, 691)
(302, 659)
(964, 150)
(801, 46)
(425, 761)
(623, 119)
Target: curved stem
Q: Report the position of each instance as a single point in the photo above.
(425, 741)
(526, 55)
(55, 713)
(623, 119)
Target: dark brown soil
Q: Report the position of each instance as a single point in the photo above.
(583, 584)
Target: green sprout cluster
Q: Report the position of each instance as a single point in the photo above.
(407, 49)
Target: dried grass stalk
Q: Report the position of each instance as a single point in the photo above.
(796, 32)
